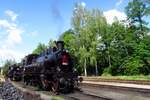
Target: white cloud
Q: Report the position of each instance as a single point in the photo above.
(11, 14)
(13, 33)
(10, 54)
(119, 2)
(5, 24)
(114, 13)
(10, 37)
(83, 4)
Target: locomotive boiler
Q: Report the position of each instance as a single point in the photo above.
(52, 70)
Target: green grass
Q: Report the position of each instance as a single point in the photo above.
(136, 77)
(58, 98)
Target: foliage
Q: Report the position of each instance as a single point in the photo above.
(51, 43)
(41, 47)
(88, 26)
(136, 10)
(99, 48)
(6, 66)
(68, 38)
(114, 49)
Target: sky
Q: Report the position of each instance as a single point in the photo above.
(25, 23)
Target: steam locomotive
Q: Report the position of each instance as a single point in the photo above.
(51, 70)
(15, 72)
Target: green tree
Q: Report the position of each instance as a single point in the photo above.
(68, 38)
(147, 2)
(136, 62)
(41, 47)
(88, 26)
(51, 43)
(135, 11)
(96, 28)
(78, 22)
(115, 47)
(98, 47)
(6, 65)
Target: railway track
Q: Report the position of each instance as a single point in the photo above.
(76, 95)
(99, 79)
(116, 93)
(121, 87)
(87, 92)
(86, 96)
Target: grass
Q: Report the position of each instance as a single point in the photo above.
(58, 98)
(136, 77)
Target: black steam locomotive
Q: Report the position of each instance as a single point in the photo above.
(15, 72)
(51, 70)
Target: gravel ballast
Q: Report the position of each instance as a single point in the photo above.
(9, 92)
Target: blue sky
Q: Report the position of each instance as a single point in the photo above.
(25, 23)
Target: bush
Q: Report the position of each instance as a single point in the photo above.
(132, 67)
(106, 72)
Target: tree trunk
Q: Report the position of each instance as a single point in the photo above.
(140, 23)
(96, 69)
(85, 71)
(109, 60)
